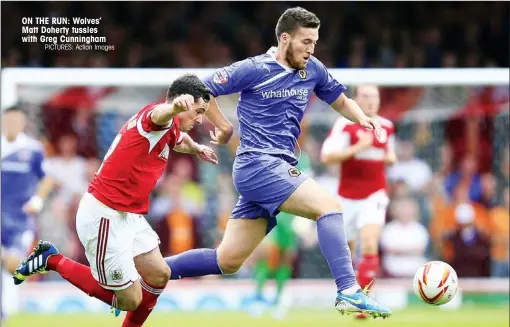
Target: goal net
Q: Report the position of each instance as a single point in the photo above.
(443, 113)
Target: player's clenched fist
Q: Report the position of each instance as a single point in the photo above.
(183, 103)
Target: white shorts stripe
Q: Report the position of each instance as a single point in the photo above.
(101, 249)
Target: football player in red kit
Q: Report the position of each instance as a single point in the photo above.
(127, 270)
(362, 187)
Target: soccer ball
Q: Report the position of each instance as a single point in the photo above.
(436, 283)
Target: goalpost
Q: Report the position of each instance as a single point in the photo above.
(439, 93)
(12, 78)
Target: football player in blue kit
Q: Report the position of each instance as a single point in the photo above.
(24, 188)
(275, 89)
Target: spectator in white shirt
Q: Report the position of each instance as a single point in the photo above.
(413, 171)
(404, 240)
(68, 169)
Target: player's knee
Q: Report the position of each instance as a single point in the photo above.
(229, 264)
(230, 267)
(159, 277)
(328, 206)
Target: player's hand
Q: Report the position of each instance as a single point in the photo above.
(219, 137)
(207, 154)
(373, 124)
(183, 103)
(365, 139)
(33, 206)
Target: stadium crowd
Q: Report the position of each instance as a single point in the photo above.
(450, 198)
(353, 34)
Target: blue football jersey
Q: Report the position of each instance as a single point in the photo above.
(22, 168)
(273, 99)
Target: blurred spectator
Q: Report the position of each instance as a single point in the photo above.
(404, 240)
(174, 224)
(367, 37)
(68, 169)
(466, 176)
(489, 190)
(500, 231)
(471, 247)
(444, 221)
(413, 171)
(505, 165)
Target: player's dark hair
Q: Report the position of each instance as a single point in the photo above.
(15, 108)
(296, 17)
(188, 84)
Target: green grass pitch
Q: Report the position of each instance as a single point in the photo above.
(468, 316)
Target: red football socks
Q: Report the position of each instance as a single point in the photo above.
(368, 268)
(81, 277)
(150, 296)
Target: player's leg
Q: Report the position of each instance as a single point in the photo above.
(286, 243)
(46, 257)
(370, 222)
(152, 268)
(261, 267)
(243, 233)
(241, 238)
(312, 201)
(16, 244)
(107, 238)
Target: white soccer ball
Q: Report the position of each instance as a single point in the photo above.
(436, 283)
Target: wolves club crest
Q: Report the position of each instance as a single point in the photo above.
(302, 74)
(294, 172)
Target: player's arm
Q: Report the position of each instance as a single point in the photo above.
(232, 79)
(223, 127)
(337, 147)
(348, 108)
(44, 187)
(163, 113)
(329, 90)
(188, 145)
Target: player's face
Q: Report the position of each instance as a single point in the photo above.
(190, 118)
(13, 123)
(301, 46)
(367, 97)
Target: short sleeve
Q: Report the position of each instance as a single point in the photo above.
(328, 89)
(146, 122)
(232, 79)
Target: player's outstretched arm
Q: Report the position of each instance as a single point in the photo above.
(163, 113)
(337, 149)
(350, 110)
(35, 204)
(203, 152)
(223, 127)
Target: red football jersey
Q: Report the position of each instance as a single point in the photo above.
(135, 161)
(364, 173)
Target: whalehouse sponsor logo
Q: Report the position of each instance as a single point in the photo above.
(300, 94)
